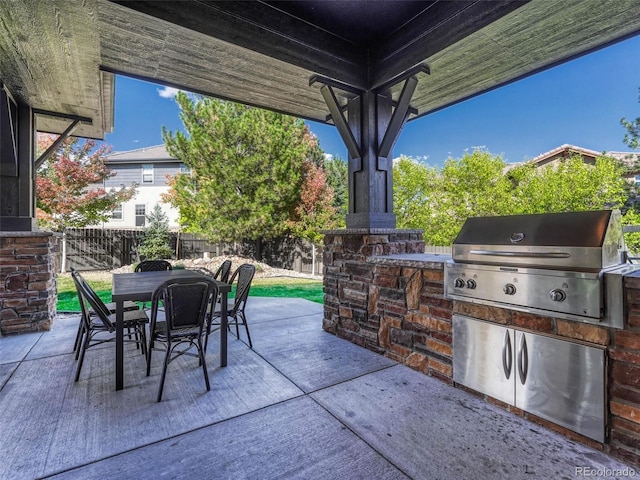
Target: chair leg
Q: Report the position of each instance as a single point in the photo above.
(164, 371)
(83, 349)
(237, 327)
(135, 336)
(79, 341)
(206, 335)
(208, 330)
(204, 364)
(246, 326)
(149, 350)
(142, 335)
(76, 344)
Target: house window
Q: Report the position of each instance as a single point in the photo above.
(141, 211)
(184, 169)
(147, 173)
(116, 214)
(637, 180)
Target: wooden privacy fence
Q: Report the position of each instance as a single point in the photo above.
(108, 249)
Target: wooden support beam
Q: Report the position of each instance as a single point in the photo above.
(398, 118)
(341, 124)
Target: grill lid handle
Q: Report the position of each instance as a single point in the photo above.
(498, 253)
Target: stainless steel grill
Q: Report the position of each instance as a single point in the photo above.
(567, 265)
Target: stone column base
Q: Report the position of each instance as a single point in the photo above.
(28, 287)
(348, 275)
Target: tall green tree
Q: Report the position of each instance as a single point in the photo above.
(336, 171)
(570, 185)
(246, 169)
(479, 184)
(439, 201)
(415, 189)
(632, 215)
(155, 244)
(632, 137)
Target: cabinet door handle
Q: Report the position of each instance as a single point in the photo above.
(523, 360)
(507, 357)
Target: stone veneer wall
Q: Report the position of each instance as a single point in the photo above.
(395, 306)
(28, 290)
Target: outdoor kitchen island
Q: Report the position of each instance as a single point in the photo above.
(383, 295)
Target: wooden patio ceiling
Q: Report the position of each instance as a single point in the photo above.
(59, 55)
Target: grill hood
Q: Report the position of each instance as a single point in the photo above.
(582, 241)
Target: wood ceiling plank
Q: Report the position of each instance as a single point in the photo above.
(258, 27)
(44, 65)
(526, 41)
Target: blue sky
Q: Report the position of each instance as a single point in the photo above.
(578, 103)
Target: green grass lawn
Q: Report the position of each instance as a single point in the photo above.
(288, 287)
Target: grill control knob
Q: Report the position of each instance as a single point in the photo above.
(557, 295)
(509, 289)
(471, 284)
(459, 283)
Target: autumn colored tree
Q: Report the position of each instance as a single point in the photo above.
(246, 169)
(68, 186)
(315, 211)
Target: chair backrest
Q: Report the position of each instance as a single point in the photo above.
(153, 266)
(186, 302)
(88, 294)
(223, 272)
(244, 276)
(77, 280)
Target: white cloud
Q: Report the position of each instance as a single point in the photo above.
(168, 92)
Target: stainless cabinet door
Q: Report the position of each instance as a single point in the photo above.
(483, 355)
(562, 382)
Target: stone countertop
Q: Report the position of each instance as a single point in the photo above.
(415, 260)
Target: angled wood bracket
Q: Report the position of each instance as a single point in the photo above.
(401, 111)
(398, 118)
(75, 120)
(340, 122)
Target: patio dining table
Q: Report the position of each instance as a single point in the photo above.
(140, 286)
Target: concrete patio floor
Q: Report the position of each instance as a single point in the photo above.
(303, 404)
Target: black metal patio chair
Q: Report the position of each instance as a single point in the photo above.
(221, 274)
(243, 276)
(153, 266)
(99, 328)
(223, 271)
(186, 306)
(111, 307)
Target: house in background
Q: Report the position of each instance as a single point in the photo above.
(148, 167)
(631, 160)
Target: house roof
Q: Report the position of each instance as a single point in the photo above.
(565, 151)
(61, 56)
(155, 154)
